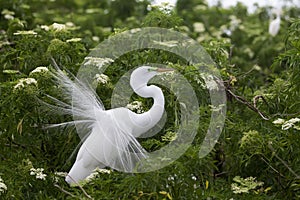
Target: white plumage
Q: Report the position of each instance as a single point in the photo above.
(109, 136)
(275, 24)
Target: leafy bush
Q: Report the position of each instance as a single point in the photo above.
(256, 155)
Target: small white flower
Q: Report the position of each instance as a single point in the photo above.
(9, 17)
(294, 120)
(200, 8)
(98, 62)
(39, 70)
(210, 83)
(194, 178)
(103, 171)
(25, 81)
(91, 177)
(286, 126)
(242, 185)
(102, 78)
(61, 174)
(58, 27)
(58, 175)
(163, 6)
(41, 176)
(32, 171)
(45, 27)
(171, 43)
(70, 24)
(3, 187)
(95, 173)
(29, 81)
(38, 173)
(19, 85)
(8, 14)
(25, 33)
(227, 32)
(135, 30)
(257, 67)
(171, 178)
(238, 190)
(135, 106)
(74, 40)
(198, 27)
(278, 121)
(234, 22)
(96, 38)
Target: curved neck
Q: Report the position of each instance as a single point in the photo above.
(152, 116)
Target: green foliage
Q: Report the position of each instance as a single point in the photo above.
(162, 16)
(260, 138)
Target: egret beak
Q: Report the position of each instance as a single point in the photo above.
(165, 69)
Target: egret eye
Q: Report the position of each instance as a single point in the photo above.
(151, 69)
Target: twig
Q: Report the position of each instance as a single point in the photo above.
(248, 104)
(219, 174)
(255, 99)
(65, 191)
(286, 115)
(271, 167)
(283, 162)
(84, 192)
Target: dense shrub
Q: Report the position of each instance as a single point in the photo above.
(256, 155)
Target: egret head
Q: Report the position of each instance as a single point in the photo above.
(277, 12)
(140, 76)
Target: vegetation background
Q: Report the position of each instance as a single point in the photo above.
(257, 155)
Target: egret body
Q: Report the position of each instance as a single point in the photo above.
(109, 136)
(275, 24)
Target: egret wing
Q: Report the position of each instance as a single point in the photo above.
(112, 143)
(80, 101)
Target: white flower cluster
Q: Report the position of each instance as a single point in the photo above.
(58, 27)
(45, 27)
(38, 173)
(30, 32)
(199, 27)
(245, 185)
(234, 22)
(172, 178)
(98, 62)
(8, 14)
(3, 187)
(58, 175)
(169, 136)
(135, 106)
(285, 125)
(171, 43)
(210, 82)
(194, 178)
(74, 40)
(25, 81)
(96, 38)
(164, 7)
(39, 70)
(97, 171)
(101, 78)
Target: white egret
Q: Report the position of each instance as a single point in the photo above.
(275, 24)
(109, 136)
